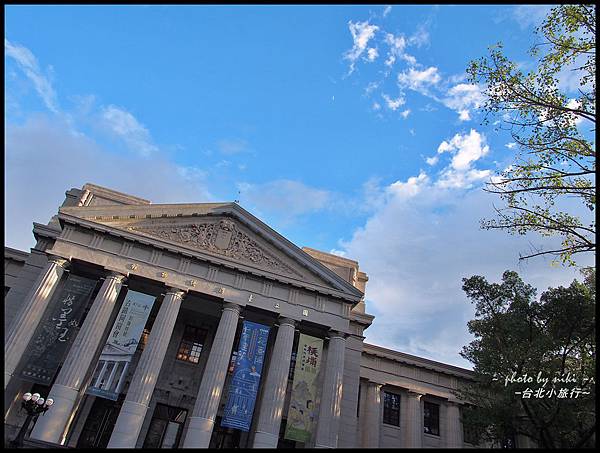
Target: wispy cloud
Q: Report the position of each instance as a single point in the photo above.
(393, 104)
(232, 146)
(418, 80)
(28, 63)
(463, 98)
(362, 32)
(125, 126)
(284, 197)
(530, 15)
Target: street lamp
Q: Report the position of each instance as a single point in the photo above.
(34, 405)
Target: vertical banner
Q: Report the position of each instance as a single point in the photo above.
(246, 376)
(110, 372)
(303, 410)
(58, 330)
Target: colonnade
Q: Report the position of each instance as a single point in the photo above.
(70, 382)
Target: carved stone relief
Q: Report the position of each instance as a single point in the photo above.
(223, 238)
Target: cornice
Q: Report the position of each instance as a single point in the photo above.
(421, 362)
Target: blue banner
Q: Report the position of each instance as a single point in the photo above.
(246, 376)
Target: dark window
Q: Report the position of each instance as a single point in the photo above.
(391, 409)
(191, 344)
(100, 422)
(165, 427)
(431, 418)
(224, 438)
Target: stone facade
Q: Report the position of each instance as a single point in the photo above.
(211, 265)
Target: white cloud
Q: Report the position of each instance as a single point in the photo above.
(361, 32)
(44, 146)
(376, 106)
(125, 126)
(463, 98)
(511, 145)
(372, 54)
(420, 37)
(393, 104)
(410, 188)
(371, 87)
(387, 10)
(284, 197)
(338, 252)
(530, 15)
(419, 80)
(466, 150)
(416, 248)
(432, 160)
(575, 104)
(405, 113)
(29, 65)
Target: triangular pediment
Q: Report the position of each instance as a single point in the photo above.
(224, 231)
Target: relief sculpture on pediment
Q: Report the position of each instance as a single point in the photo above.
(223, 238)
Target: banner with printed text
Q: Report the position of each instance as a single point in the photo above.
(57, 331)
(111, 370)
(246, 376)
(303, 411)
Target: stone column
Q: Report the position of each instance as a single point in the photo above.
(28, 318)
(414, 425)
(329, 416)
(372, 413)
(209, 395)
(70, 379)
(273, 394)
(453, 425)
(131, 417)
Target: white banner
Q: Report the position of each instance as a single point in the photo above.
(121, 345)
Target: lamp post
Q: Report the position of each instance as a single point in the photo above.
(34, 405)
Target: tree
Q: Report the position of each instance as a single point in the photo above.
(553, 174)
(516, 336)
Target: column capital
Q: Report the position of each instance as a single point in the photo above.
(415, 394)
(59, 261)
(337, 334)
(232, 306)
(285, 320)
(118, 276)
(175, 292)
(375, 383)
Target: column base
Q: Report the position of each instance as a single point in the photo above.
(265, 440)
(199, 433)
(128, 425)
(323, 446)
(51, 425)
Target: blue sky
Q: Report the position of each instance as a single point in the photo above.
(346, 128)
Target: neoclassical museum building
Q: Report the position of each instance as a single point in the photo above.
(197, 325)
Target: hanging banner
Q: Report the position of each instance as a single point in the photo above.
(303, 410)
(246, 376)
(58, 330)
(111, 370)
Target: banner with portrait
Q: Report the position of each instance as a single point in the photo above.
(303, 410)
(246, 376)
(122, 342)
(55, 334)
